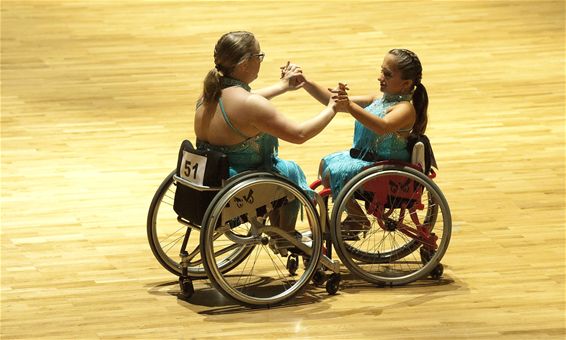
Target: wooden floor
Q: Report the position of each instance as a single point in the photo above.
(97, 96)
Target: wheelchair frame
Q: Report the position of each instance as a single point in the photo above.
(369, 181)
(216, 270)
(398, 217)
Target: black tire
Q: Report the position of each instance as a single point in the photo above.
(263, 280)
(165, 235)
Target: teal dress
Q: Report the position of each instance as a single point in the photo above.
(256, 153)
(259, 153)
(342, 166)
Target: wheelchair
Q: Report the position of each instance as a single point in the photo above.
(240, 246)
(391, 224)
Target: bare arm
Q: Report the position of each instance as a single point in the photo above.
(398, 117)
(323, 94)
(265, 118)
(363, 101)
(317, 92)
(291, 79)
(273, 90)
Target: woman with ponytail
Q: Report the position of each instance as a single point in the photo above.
(243, 124)
(384, 124)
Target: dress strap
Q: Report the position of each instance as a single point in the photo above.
(227, 120)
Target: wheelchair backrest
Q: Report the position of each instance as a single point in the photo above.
(418, 156)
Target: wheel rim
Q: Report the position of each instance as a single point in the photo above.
(262, 279)
(389, 251)
(166, 234)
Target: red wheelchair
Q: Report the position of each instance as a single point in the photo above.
(390, 224)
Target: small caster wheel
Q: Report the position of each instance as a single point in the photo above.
(186, 286)
(426, 255)
(333, 284)
(437, 272)
(292, 264)
(319, 277)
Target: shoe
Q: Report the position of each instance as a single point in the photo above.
(352, 228)
(281, 245)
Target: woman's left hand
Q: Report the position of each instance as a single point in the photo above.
(292, 76)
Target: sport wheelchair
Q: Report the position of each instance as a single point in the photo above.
(391, 224)
(241, 248)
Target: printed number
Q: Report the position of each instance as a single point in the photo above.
(192, 167)
(188, 169)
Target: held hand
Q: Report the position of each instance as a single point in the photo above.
(292, 76)
(340, 98)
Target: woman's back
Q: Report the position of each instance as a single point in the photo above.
(211, 125)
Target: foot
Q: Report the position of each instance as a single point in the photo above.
(281, 245)
(352, 227)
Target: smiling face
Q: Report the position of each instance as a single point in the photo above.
(390, 81)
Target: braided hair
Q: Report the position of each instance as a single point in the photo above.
(231, 49)
(410, 67)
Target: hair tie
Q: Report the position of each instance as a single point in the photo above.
(218, 69)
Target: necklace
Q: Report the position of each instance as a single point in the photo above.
(227, 82)
(397, 97)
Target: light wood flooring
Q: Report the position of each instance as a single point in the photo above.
(97, 96)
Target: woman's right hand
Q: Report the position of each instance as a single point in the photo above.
(339, 101)
(292, 76)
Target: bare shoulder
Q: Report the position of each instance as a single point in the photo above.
(258, 106)
(405, 107)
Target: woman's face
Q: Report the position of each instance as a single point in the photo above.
(390, 80)
(254, 62)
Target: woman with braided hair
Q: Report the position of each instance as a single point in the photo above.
(383, 124)
(243, 124)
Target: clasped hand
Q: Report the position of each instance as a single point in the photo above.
(339, 100)
(292, 75)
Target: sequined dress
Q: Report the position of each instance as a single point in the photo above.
(341, 166)
(256, 153)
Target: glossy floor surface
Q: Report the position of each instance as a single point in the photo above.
(98, 95)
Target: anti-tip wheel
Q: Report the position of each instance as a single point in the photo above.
(186, 286)
(333, 284)
(437, 272)
(292, 264)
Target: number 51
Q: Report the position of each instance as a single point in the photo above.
(188, 169)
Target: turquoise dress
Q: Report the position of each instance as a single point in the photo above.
(256, 153)
(341, 166)
(259, 153)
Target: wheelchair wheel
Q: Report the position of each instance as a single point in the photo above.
(166, 234)
(391, 225)
(248, 212)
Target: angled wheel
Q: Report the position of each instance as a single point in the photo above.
(385, 219)
(256, 212)
(166, 234)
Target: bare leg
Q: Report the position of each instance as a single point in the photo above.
(285, 217)
(356, 221)
(325, 178)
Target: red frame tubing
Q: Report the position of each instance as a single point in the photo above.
(376, 208)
